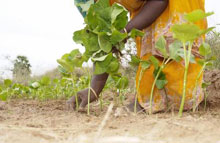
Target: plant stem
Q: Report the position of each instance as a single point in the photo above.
(138, 87)
(196, 85)
(187, 56)
(205, 99)
(155, 80)
(77, 103)
(152, 89)
(76, 96)
(89, 92)
(101, 103)
(120, 97)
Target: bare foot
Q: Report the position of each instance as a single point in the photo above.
(81, 99)
(131, 107)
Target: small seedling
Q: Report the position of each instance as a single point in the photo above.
(188, 33)
(160, 77)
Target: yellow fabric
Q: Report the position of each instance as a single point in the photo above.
(170, 96)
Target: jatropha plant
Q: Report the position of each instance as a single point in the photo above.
(205, 51)
(102, 39)
(175, 53)
(187, 33)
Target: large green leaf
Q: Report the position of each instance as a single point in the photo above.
(90, 41)
(117, 37)
(87, 39)
(116, 10)
(85, 6)
(122, 83)
(101, 4)
(121, 21)
(71, 60)
(78, 36)
(91, 18)
(99, 69)
(7, 82)
(76, 58)
(4, 96)
(135, 60)
(154, 61)
(35, 85)
(174, 51)
(197, 15)
(136, 33)
(161, 80)
(205, 31)
(186, 32)
(113, 66)
(181, 54)
(102, 66)
(104, 20)
(45, 80)
(161, 83)
(66, 65)
(205, 49)
(63, 71)
(145, 65)
(104, 42)
(99, 59)
(161, 46)
(106, 61)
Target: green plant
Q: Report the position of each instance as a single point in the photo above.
(187, 33)
(204, 86)
(102, 40)
(205, 51)
(135, 61)
(103, 26)
(5, 89)
(174, 54)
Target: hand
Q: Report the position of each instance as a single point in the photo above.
(82, 98)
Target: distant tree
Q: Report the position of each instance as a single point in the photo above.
(21, 70)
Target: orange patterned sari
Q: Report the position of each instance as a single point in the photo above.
(170, 96)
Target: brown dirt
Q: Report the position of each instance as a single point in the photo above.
(48, 122)
(213, 91)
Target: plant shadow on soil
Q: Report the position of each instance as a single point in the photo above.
(49, 121)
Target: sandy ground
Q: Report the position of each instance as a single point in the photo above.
(47, 122)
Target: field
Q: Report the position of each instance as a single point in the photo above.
(33, 109)
(49, 121)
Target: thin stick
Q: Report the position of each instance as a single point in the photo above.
(103, 123)
(205, 100)
(101, 102)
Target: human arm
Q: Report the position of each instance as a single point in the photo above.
(151, 10)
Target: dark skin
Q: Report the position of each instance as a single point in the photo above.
(148, 14)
